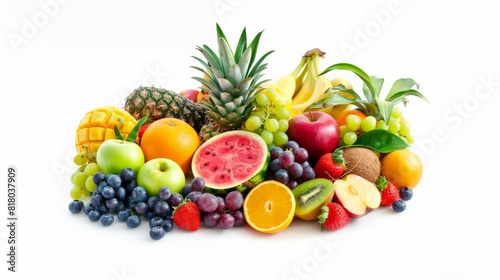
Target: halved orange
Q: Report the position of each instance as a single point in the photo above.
(269, 207)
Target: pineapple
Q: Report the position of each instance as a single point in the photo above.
(161, 103)
(98, 125)
(230, 81)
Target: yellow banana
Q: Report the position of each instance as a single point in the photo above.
(299, 80)
(320, 84)
(287, 83)
(317, 91)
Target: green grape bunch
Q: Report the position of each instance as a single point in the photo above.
(270, 118)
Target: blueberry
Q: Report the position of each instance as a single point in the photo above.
(164, 193)
(156, 233)
(406, 193)
(121, 194)
(75, 206)
(106, 219)
(139, 194)
(131, 204)
(112, 204)
(96, 200)
(133, 221)
(98, 189)
(162, 208)
(150, 214)
(127, 175)
(94, 215)
(129, 186)
(123, 215)
(114, 181)
(141, 208)
(102, 209)
(155, 221)
(98, 177)
(88, 207)
(399, 205)
(167, 225)
(128, 199)
(108, 192)
(152, 201)
(120, 207)
(186, 190)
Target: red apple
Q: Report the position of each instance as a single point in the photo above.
(190, 94)
(316, 131)
(358, 195)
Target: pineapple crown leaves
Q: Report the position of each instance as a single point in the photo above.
(134, 132)
(373, 104)
(229, 72)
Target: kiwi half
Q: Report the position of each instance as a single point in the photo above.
(310, 196)
(363, 162)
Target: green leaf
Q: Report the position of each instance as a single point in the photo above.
(399, 96)
(118, 134)
(380, 140)
(401, 85)
(356, 70)
(385, 108)
(226, 55)
(377, 84)
(341, 87)
(135, 130)
(241, 46)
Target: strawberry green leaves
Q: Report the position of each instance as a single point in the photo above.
(373, 104)
(133, 133)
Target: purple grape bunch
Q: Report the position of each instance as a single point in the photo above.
(289, 165)
(217, 210)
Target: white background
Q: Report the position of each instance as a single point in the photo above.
(60, 59)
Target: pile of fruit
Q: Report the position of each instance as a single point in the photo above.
(241, 150)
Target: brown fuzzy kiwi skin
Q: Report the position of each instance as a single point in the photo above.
(363, 162)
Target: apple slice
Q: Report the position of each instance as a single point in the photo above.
(358, 195)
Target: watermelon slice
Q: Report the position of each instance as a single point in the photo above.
(233, 159)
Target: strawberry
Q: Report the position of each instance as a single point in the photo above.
(141, 132)
(329, 166)
(187, 216)
(388, 191)
(142, 129)
(333, 216)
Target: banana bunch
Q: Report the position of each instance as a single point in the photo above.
(309, 86)
(286, 86)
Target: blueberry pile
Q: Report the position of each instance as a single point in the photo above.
(118, 195)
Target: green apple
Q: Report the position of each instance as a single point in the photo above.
(114, 155)
(160, 172)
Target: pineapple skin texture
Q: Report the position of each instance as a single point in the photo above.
(98, 125)
(161, 103)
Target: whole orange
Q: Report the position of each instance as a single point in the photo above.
(403, 168)
(170, 138)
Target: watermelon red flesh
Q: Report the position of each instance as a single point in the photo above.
(230, 159)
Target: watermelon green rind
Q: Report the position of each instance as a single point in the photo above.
(218, 151)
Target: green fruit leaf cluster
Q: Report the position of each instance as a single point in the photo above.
(372, 104)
